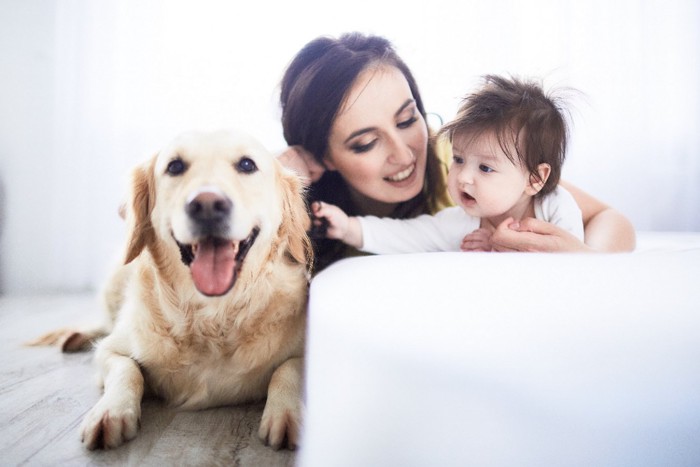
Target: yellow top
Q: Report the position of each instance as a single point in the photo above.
(443, 149)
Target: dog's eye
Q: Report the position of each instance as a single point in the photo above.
(176, 167)
(246, 165)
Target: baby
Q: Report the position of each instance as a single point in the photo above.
(508, 144)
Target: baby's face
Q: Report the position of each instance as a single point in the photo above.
(482, 180)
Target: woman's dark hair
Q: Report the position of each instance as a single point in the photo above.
(318, 79)
(313, 90)
(521, 116)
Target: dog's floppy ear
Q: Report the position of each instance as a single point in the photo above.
(295, 219)
(140, 206)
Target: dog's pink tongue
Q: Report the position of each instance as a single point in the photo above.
(213, 267)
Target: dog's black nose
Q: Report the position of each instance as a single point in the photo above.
(209, 207)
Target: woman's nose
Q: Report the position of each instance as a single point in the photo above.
(400, 151)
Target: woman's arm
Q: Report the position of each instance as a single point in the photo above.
(606, 230)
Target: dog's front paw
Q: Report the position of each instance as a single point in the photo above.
(109, 425)
(280, 425)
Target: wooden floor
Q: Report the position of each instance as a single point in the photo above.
(45, 394)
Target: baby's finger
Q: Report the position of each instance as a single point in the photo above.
(469, 244)
(316, 207)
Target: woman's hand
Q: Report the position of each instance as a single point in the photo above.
(532, 234)
(478, 240)
(303, 163)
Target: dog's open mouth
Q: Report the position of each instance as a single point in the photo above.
(215, 262)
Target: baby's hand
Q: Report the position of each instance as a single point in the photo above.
(478, 240)
(337, 221)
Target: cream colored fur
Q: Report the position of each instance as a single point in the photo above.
(198, 351)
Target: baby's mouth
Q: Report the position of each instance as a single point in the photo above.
(467, 197)
(403, 175)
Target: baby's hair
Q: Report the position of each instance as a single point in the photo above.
(521, 116)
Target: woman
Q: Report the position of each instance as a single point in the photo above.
(355, 123)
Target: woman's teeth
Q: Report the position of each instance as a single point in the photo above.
(403, 175)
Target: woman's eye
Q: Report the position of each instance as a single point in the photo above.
(485, 168)
(360, 148)
(246, 165)
(176, 167)
(407, 123)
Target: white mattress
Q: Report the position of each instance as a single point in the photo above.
(507, 359)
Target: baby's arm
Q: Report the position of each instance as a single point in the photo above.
(340, 225)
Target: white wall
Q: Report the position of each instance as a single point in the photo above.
(87, 89)
(27, 35)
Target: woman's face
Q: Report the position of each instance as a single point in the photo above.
(378, 142)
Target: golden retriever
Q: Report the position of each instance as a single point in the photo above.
(210, 306)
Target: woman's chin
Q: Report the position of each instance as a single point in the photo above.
(388, 195)
(399, 195)
(404, 190)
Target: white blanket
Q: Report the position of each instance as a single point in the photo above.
(507, 359)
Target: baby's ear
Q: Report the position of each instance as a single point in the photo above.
(536, 183)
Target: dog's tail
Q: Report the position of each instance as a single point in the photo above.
(71, 339)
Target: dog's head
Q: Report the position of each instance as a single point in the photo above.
(218, 201)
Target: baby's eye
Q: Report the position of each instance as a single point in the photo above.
(485, 168)
(458, 160)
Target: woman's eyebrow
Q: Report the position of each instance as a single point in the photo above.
(368, 129)
(408, 102)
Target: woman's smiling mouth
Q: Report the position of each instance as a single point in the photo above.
(403, 175)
